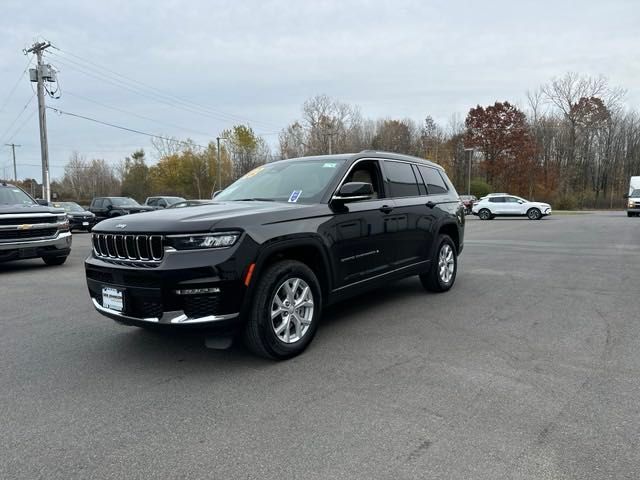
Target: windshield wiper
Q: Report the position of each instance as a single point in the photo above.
(255, 199)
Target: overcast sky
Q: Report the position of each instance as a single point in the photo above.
(257, 61)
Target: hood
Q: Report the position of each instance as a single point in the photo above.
(137, 208)
(86, 213)
(28, 209)
(203, 218)
(539, 204)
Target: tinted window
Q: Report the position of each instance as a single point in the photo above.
(433, 180)
(401, 180)
(496, 199)
(511, 200)
(97, 203)
(152, 202)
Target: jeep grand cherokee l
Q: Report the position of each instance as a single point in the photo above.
(278, 245)
(31, 230)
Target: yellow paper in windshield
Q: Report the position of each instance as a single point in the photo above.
(253, 172)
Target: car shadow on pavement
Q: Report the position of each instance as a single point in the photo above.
(133, 347)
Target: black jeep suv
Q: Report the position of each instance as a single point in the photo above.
(278, 245)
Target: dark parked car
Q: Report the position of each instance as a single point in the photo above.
(279, 245)
(190, 203)
(468, 201)
(31, 230)
(79, 218)
(162, 201)
(109, 207)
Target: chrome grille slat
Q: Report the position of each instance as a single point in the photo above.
(128, 249)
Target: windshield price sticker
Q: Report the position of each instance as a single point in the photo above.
(329, 165)
(295, 195)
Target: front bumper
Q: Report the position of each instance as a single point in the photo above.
(633, 210)
(546, 211)
(156, 295)
(165, 318)
(79, 222)
(58, 246)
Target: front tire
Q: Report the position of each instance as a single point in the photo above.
(54, 260)
(444, 267)
(534, 214)
(286, 310)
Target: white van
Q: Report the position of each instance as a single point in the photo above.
(633, 199)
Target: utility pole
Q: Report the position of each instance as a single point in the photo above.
(330, 135)
(219, 182)
(42, 72)
(13, 150)
(471, 151)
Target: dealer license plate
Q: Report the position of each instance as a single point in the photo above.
(85, 224)
(112, 299)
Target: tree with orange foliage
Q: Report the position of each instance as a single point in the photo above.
(501, 133)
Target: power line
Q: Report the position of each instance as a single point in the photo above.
(86, 99)
(102, 69)
(133, 130)
(26, 120)
(18, 116)
(149, 91)
(13, 89)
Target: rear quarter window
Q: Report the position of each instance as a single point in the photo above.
(433, 180)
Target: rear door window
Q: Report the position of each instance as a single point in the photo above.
(496, 199)
(400, 179)
(432, 178)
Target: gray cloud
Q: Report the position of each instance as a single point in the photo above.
(261, 59)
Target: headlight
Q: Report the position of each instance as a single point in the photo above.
(630, 203)
(202, 240)
(61, 218)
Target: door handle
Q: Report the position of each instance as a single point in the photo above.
(430, 204)
(386, 209)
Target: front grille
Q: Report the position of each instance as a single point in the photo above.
(22, 234)
(146, 248)
(28, 220)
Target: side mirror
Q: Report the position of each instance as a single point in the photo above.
(216, 193)
(354, 191)
(520, 202)
(43, 202)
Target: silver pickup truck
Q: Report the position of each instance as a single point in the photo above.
(31, 230)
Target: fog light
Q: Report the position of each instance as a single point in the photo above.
(197, 291)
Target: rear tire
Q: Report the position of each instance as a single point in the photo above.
(484, 214)
(444, 266)
(54, 260)
(630, 214)
(276, 328)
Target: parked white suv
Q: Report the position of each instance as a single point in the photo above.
(505, 205)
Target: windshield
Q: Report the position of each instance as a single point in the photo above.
(14, 196)
(299, 181)
(124, 201)
(635, 193)
(69, 206)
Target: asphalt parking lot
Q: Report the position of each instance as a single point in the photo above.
(528, 369)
